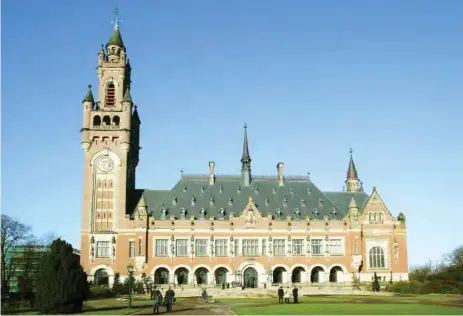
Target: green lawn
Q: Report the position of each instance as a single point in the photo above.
(350, 305)
(347, 309)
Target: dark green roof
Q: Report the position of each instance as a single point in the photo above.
(89, 95)
(342, 199)
(116, 38)
(268, 196)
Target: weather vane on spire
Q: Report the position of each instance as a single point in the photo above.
(116, 21)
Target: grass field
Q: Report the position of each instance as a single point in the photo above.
(320, 305)
(351, 305)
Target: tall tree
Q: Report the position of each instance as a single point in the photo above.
(13, 233)
(61, 282)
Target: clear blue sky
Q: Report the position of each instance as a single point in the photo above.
(311, 79)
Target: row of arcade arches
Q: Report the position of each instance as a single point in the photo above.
(249, 277)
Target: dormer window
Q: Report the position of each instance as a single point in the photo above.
(278, 214)
(285, 202)
(291, 191)
(267, 201)
(309, 191)
(174, 201)
(182, 213)
(163, 213)
(320, 203)
(221, 189)
(193, 200)
(333, 214)
(257, 190)
(110, 95)
(238, 190)
(184, 189)
(315, 214)
(202, 190)
(221, 213)
(297, 214)
(202, 213)
(274, 190)
(211, 201)
(303, 203)
(230, 202)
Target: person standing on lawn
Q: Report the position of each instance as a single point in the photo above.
(157, 302)
(296, 295)
(170, 294)
(281, 293)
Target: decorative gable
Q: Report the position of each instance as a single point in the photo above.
(375, 204)
(250, 213)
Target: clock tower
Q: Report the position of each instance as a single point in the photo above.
(110, 140)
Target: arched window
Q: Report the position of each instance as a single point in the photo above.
(101, 277)
(377, 258)
(380, 219)
(202, 213)
(106, 120)
(116, 120)
(374, 217)
(96, 120)
(370, 217)
(278, 214)
(297, 214)
(110, 95)
(221, 213)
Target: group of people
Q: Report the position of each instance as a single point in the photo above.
(169, 299)
(287, 295)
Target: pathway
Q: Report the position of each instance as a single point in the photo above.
(191, 306)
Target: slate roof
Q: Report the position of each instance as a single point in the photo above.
(193, 193)
(116, 38)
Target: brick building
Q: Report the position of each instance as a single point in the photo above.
(212, 229)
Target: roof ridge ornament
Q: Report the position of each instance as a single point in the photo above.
(117, 22)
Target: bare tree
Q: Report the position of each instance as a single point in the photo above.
(455, 258)
(13, 233)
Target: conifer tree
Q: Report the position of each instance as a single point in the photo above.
(61, 282)
(375, 285)
(117, 285)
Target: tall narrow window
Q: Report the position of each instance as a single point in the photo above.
(131, 248)
(201, 247)
(377, 258)
(182, 247)
(161, 247)
(139, 247)
(279, 247)
(221, 247)
(356, 247)
(317, 247)
(110, 95)
(264, 247)
(237, 247)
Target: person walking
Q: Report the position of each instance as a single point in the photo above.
(281, 293)
(296, 295)
(157, 302)
(287, 295)
(170, 294)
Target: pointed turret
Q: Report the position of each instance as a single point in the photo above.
(352, 179)
(127, 96)
(135, 115)
(246, 160)
(116, 37)
(89, 95)
(352, 203)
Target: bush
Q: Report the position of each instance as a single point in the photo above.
(61, 283)
(117, 285)
(101, 291)
(404, 287)
(375, 285)
(435, 286)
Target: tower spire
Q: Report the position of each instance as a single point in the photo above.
(353, 183)
(116, 37)
(246, 160)
(351, 171)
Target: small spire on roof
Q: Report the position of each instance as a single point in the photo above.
(89, 95)
(127, 96)
(116, 21)
(351, 171)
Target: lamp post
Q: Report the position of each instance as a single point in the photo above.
(130, 270)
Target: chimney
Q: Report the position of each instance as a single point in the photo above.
(280, 167)
(211, 173)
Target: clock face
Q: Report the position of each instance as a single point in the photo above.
(106, 164)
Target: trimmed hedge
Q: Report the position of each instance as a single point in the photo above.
(101, 292)
(428, 287)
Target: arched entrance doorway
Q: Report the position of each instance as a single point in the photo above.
(250, 278)
(278, 275)
(221, 276)
(181, 275)
(161, 276)
(317, 274)
(201, 276)
(101, 277)
(296, 275)
(336, 274)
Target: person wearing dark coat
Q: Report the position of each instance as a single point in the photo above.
(169, 298)
(295, 295)
(281, 293)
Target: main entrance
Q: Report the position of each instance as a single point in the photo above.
(250, 278)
